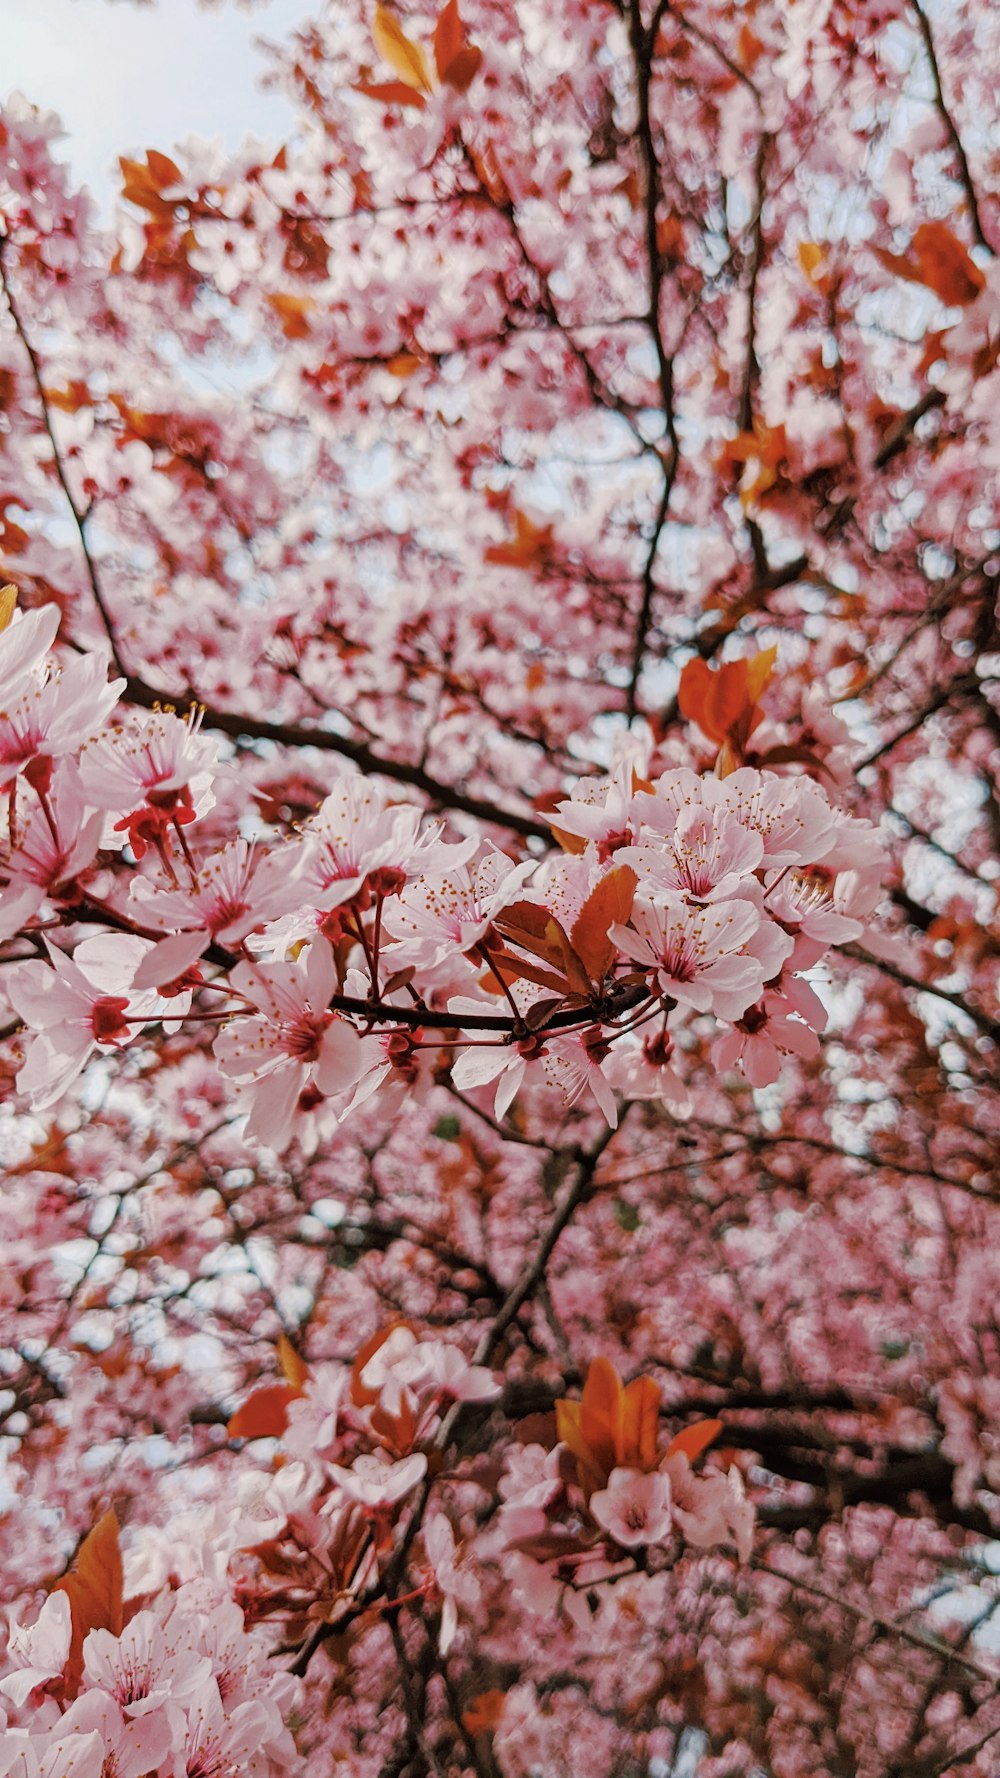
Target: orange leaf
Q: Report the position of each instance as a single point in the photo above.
(528, 548)
(812, 259)
(938, 260)
(721, 700)
(360, 1395)
(94, 1588)
(456, 59)
(404, 57)
(264, 1414)
(292, 312)
(8, 604)
(601, 1411)
(694, 1439)
(391, 92)
(449, 37)
(162, 169)
(640, 1423)
(462, 70)
(609, 902)
(484, 1713)
(293, 1365)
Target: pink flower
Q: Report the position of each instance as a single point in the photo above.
(353, 840)
(23, 647)
(53, 848)
(236, 890)
(601, 811)
(373, 1481)
(573, 1065)
(295, 1040)
(706, 856)
(54, 717)
(38, 1652)
(711, 1509)
(55, 1755)
(220, 1744)
(702, 956)
(405, 1364)
(634, 1508)
(432, 919)
(132, 1744)
(81, 1004)
(158, 769)
(760, 1040)
(455, 1587)
(143, 1669)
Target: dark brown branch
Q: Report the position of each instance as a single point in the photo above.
(964, 170)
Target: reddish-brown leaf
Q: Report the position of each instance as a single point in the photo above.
(391, 92)
(694, 1439)
(94, 1588)
(264, 1414)
(607, 904)
(640, 1424)
(404, 57)
(484, 1713)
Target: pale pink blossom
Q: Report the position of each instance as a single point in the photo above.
(354, 841)
(456, 1586)
(434, 918)
(133, 1744)
(573, 1064)
(702, 956)
(24, 645)
(37, 1653)
(145, 1668)
(221, 1744)
(405, 1365)
(292, 1042)
(710, 1509)
(706, 856)
(53, 1755)
(634, 1508)
(53, 847)
(760, 1040)
(373, 1481)
(79, 1005)
(156, 771)
(54, 717)
(237, 889)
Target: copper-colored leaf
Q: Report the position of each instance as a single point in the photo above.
(292, 1363)
(462, 70)
(484, 1713)
(610, 902)
(361, 1396)
(640, 1424)
(722, 700)
(601, 1413)
(391, 92)
(264, 1414)
(8, 604)
(449, 37)
(404, 57)
(94, 1587)
(530, 546)
(694, 1439)
(938, 260)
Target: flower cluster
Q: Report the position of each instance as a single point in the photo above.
(181, 1690)
(607, 1494)
(351, 953)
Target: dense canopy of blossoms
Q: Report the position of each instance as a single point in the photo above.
(500, 787)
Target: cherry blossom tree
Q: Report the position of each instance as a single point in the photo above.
(500, 770)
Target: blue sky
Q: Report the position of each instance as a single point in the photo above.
(126, 77)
